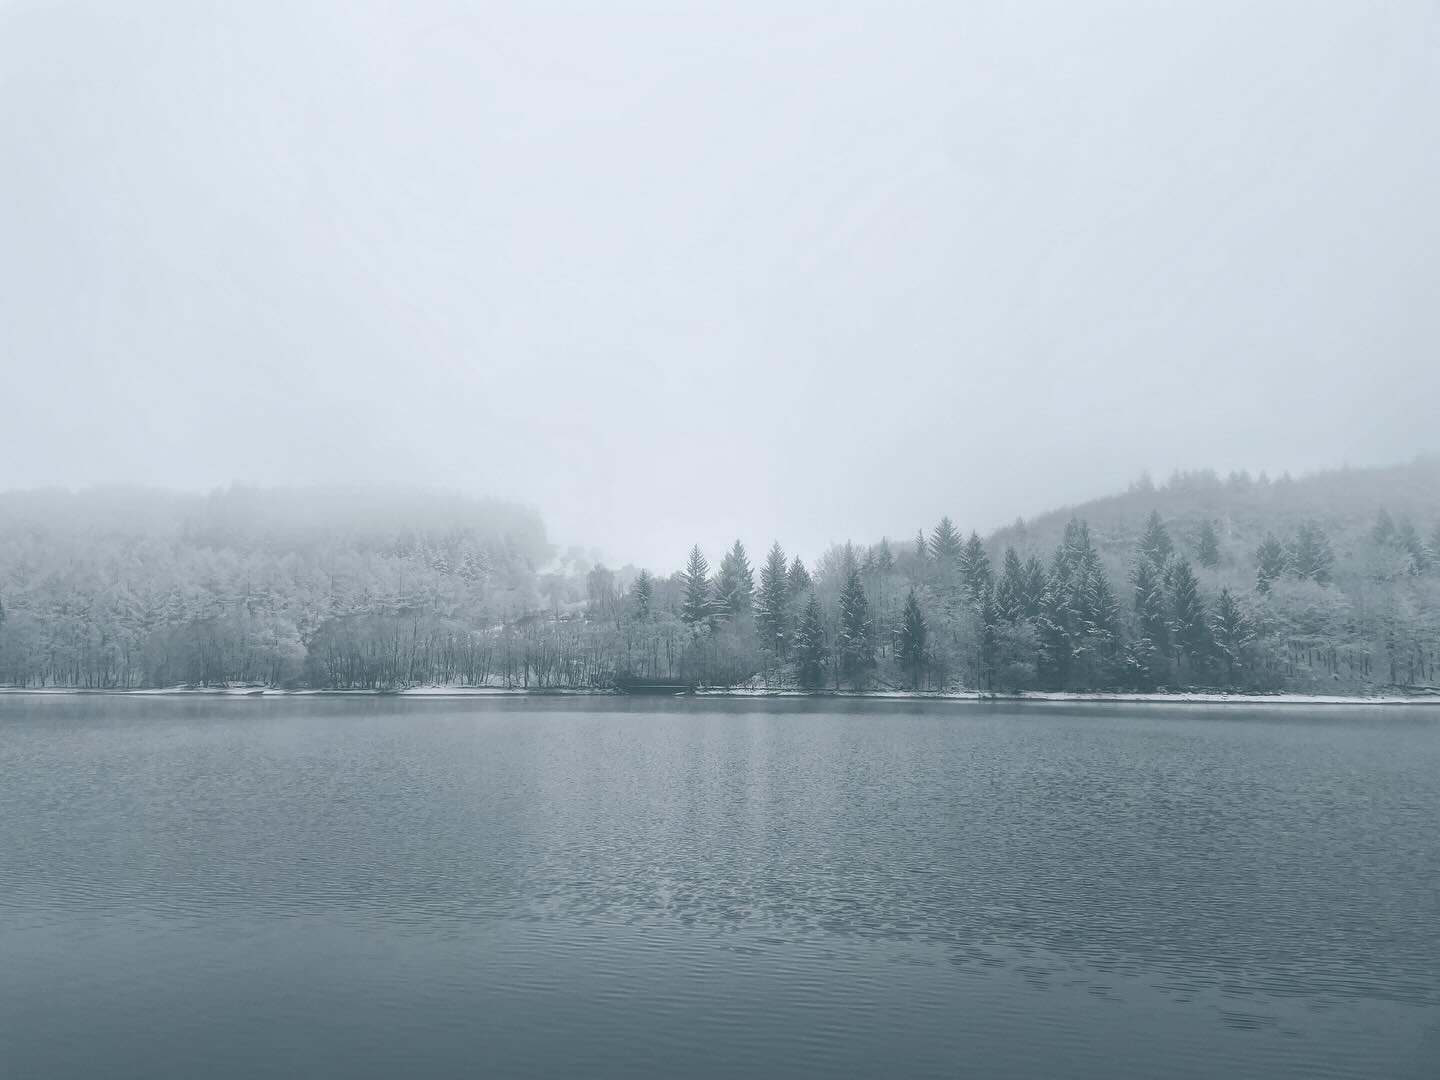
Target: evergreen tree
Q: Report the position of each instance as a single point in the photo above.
(1035, 582)
(798, 580)
(1190, 631)
(1155, 545)
(697, 605)
(945, 543)
(884, 557)
(811, 652)
(642, 595)
(975, 568)
(922, 547)
(1312, 556)
(912, 649)
(1153, 643)
(1207, 551)
(735, 584)
(990, 639)
(1054, 624)
(1270, 562)
(856, 645)
(1232, 634)
(772, 608)
(1010, 592)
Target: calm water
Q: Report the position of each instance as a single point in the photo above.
(373, 888)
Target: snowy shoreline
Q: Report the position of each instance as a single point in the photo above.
(460, 692)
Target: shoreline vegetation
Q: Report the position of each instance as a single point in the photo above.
(1326, 587)
(1182, 697)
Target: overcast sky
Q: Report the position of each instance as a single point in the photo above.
(678, 272)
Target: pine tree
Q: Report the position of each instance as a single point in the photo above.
(811, 652)
(1312, 556)
(642, 595)
(922, 547)
(1208, 548)
(772, 607)
(1232, 634)
(856, 645)
(697, 605)
(1270, 562)
(1155, 545)
(735, 584)
(975, 568)
(945, 543)
(912, 648)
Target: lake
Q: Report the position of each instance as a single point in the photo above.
(541, 887)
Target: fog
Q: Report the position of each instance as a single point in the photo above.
(677, 273)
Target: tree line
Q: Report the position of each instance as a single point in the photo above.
(1140, 604)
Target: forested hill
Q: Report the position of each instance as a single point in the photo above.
(1329, 582)
(136, 587)
(1243, 509)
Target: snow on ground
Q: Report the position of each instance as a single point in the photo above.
(1193, 698)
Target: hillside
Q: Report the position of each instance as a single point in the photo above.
(1329, 582)
(135, 587)
(1345, 502)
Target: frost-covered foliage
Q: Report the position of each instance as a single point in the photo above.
(1326, 583)
(138, 588)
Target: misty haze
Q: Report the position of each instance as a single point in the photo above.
(637, 539)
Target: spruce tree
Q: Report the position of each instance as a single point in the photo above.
(1010, 592)
(884, 557)
(735, 584)
(1190, 631)
(975, 568)
(990, 619)
(1153, 644)
(922, 547)
(772, 604)
(945, 543)
(1232, 634)
(856, 645)
(1207, 551)
(1155, 545)
(811, 652)
(1035, 582)
(912, 644)
(1054, 623)
(697, 605)
(798, 580)
(642, 594)
(1270, 562)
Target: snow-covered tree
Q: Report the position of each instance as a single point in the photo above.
(855, 646)
(698, 604)
(912, 648)
(772, 610)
